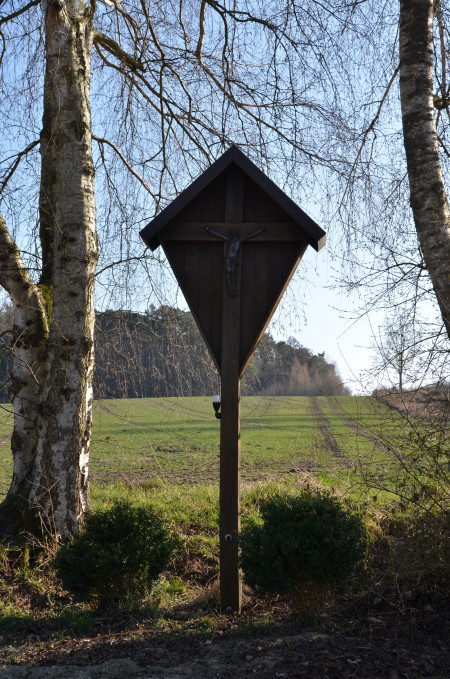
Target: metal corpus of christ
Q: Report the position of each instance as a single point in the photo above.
(233, 240)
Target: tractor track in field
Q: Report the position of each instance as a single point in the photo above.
(324, 427)
(354, 425)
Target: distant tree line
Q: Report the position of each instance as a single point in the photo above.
(157, 353)
(161, 353)
(289, 369)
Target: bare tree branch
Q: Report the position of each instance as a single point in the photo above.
(101, 140)
(15, 279)
(13, 167)
(120, 261)
(116, 50)
(14, 15)
(371, 127)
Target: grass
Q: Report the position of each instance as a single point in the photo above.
(166, 452)
(374, 416)
(178, 438)
(143, 447)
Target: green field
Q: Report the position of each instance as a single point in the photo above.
(152, 442)
(165, 453)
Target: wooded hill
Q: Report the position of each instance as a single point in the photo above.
(161, 353)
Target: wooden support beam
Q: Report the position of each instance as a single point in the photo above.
(196, 231)
(230, 461)
(230, 429)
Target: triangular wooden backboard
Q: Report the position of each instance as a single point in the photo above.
(265, 274)
(233, 195)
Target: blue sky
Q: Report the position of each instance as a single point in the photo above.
(323, 318)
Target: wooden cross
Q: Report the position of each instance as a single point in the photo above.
(234, 240)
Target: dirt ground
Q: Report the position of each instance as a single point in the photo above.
(391, 646)
(305, 654)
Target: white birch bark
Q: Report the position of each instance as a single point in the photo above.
(427, 191)
(31, 326)
(51, 383)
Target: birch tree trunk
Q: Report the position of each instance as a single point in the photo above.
(427, 192)
(53, 356)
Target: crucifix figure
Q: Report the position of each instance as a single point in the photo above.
(234, 241)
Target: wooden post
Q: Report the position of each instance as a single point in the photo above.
(230, 472)
(230, 429)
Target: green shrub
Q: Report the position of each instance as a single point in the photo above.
(308, 538)
(119, 552)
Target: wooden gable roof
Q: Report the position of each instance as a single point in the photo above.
(316, 237)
